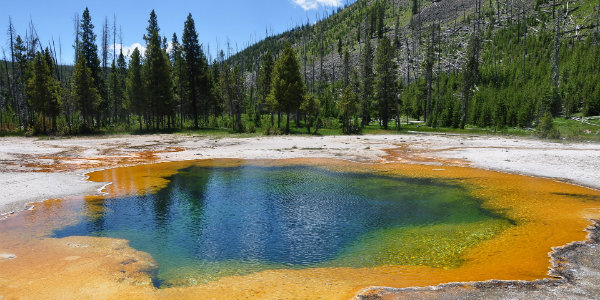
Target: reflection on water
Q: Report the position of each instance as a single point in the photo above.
(210, 222)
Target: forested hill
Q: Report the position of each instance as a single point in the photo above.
(529, 57)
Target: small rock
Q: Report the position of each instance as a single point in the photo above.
(7, 256)
(128, 261)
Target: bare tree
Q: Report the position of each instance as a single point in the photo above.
(557, 30)
(524, 13)
(105, 39)
(114, 36)
(12, 85)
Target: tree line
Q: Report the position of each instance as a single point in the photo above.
(165, 87)
(360, 66)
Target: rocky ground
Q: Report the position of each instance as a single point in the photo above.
(576, 266)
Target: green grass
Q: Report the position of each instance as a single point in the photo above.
(573, 130)
(570, 130)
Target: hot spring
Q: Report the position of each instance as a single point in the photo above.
(289, 229)
(210, 222)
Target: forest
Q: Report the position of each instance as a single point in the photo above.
(493, 65)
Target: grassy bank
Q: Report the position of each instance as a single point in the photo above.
(584, 130)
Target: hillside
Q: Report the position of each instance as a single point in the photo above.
(516, 58)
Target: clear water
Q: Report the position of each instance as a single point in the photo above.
(211, 222)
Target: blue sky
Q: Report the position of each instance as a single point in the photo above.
(240, 21)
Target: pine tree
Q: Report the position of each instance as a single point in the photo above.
(20, 81)
(288, 89)
(415, 7)
(470, 74)
(348, 107)
(85, 92)
(122, 76)
(43, 90)
(178, 74)
(367, 83)
(312, 107)
(37, 87)
(232, 87)
(385, 80)
(193, 56)
(53, 106)
(116, 81)
(157, 71)
(89, 51)
(428, 66)
(380, 19)
(347, 67)
(237, 97)
(265, 75)
(135, 86)
(546, 128)
(216, 98)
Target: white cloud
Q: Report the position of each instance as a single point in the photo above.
(128, 50)
(314, 4)
(169, 46)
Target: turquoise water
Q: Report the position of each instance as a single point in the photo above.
(210, 222)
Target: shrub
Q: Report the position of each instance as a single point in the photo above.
(546, 129)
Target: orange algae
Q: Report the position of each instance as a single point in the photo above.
(547, 214)
(54, 163)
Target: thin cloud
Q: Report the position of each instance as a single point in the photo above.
(314, 4)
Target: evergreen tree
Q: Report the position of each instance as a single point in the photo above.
(157, 73)
(385, 80)
(116, 90)
(347, 67)
(237, 97)
(340, 47)
(135, 86)
(178, 63)
(367, 83)
(194, 66)
(19, 82)
(85, 92)
(470, 75)
(380, 19)
(216, 97)
(232, 86)
(122, 104)
(43, 90)
(348, 107)
(264, 80)
(546, 128)
(288, 89)
(312, 107)
(428, 66)
(415, 7)
(89, 51)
